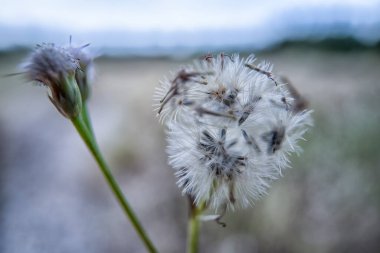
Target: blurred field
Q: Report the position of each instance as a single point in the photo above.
(53, 198)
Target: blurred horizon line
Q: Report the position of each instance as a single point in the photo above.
(336, 43)
(185, 43)
(186, 27)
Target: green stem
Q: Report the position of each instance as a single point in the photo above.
(193, 227)
(89, 139)
(86, 118)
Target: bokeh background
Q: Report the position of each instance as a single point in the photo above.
(54, 199)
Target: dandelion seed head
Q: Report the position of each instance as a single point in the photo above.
(234, 134)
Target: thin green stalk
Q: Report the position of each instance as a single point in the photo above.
(89, 140)
(86, 118)
(193, 227)
(193, 234)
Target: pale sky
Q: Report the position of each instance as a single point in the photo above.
(163, 17)
(166, 15)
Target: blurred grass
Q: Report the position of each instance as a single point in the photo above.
(328, 201)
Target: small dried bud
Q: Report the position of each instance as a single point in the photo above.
(84, 74)
(55, 67)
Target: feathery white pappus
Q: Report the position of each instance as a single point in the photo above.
(231, 126)
(48, 62)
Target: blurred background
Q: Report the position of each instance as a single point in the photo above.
(52, 195)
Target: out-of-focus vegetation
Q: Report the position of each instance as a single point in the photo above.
(53, 200)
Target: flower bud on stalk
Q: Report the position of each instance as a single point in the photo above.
(56, 68)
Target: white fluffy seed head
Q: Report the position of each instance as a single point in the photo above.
(230, 128)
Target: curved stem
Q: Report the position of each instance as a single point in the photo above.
(89, 140)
